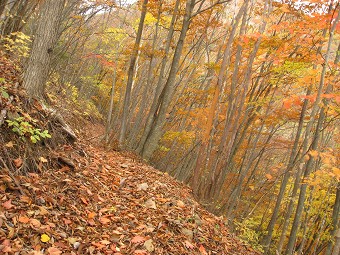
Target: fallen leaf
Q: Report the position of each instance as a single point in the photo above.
(8, 204)
(35, 223)
(43, 160)
(72, 240)
(269, 176)
(141, 252)
(149, 245)
(9, 144)
(202, 250)
(23, 219)
(189, 245)
(150, 203)
(106, 242)
(17, 162)
(138, 239)
(67, 221)
(104, 220)
(91, 215)
(84, 200)
(43, 210)
(45, 238)
(53, 251)
(180, 204)
(143, 186)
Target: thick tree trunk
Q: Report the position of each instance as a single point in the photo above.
(2, 7)
(39, 63)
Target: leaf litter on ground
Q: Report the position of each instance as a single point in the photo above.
(87, 210)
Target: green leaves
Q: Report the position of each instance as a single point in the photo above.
(24, 128)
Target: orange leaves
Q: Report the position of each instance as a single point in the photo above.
(23, 219)
(294, 100)
(138, 239)
(298, 100)
(91, 215)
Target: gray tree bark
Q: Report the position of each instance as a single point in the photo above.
(39, 63)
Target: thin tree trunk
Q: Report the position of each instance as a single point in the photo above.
(314, 146)
(159, 87)
(131, 73)
(166, 96)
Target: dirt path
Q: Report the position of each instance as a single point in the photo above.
(108, 204)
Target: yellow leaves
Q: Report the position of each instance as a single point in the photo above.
(45, 238)
(313, 154)
(336, 172)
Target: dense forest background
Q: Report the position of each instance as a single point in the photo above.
(238, 99)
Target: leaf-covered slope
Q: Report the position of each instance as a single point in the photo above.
(108, 204)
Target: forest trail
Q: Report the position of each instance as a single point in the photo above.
(109, 203)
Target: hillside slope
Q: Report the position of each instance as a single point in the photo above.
(107, 204)
(58, 196)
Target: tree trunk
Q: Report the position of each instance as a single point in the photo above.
(168, 90)
(2, 7)
(314, 146)
(159, 87)
(39, 63)
(131, 72)
(335, 223)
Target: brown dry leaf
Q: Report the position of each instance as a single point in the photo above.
(149, 245)
(17, 162)
(269, 176)
(138, 239)
(8, 204)
(180, 204)
(104, 220)
(84, 200)
(106, 242)
(141, 252)
(67, 221)
(91, 222)
(35, 223)
(26, 199)
(43, 210)
(53, 251)
(9, 144)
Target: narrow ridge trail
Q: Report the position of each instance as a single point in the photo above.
(108, 203)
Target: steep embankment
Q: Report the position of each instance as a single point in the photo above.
(108, 204)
